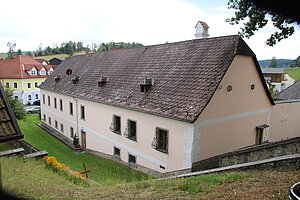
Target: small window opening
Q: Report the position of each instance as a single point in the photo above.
(162, 167)
(259, 133)
(102, 81)
(57, 78)
(146, 85)
(131, 160)
(75, 79)
(117, 152)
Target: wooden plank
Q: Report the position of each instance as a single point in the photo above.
(36, 154)
(10, 152)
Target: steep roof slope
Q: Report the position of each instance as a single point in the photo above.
(292, 92)
(16, 67)
(9, 129)
(186, 75)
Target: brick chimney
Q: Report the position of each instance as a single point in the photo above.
(201, 30)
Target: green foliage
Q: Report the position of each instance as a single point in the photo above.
(105, 172)
(16, 105)
(296, 62)
(273, 63)
(293, 72)
(257, 19)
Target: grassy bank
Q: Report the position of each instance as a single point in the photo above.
(293, 72)
(32, 179)
(104, 171)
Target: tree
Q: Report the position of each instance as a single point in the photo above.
(11, 50)
(257, 19)
(16, 105)
(273, 62)
(296, 62)
(19, 52)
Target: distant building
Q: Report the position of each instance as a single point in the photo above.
(24, 74)
(274, 77)
(42, 61)
(56, 61)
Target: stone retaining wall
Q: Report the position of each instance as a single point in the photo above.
(250, 154)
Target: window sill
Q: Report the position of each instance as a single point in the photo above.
(132, 138)
(117, 132)
(162, 151)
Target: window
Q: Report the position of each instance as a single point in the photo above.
(61, 105)
(29, 97)
(160, 141)
(28, 85)
(43, 99)
(252, 87)
(7, 85)
(82, 112)
(71, 108)
(36, 96)
(44, 117)
(229, 88)
(56, 124)
(49, 120)
(15, 85)
(117, 152)
(49, 101)
(33, 72)
(55, 103)
(36, 84)
(131, 160)
(16, 98)
(131, 125)
(116, 123)
(62, 128)
(71, 132)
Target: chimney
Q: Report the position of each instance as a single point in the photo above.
(201, 30)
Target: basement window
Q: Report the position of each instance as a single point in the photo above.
(146, 85)
(102, 81)
(117, 153)
(259, 133)
(131, 160)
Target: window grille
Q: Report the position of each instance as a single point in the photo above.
(160, 140)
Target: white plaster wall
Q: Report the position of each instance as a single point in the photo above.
(98, 118)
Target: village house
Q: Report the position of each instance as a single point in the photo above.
(274, 77)
(24, 74)
(164, 108)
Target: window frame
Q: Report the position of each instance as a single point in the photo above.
(15, 85)
(130, 158)
(115, 124)
(71, 110)
(117, 155)
(61, 105)
(55, 103)
(130, 135)
(82, 112)
(28, 85)
(162, 140)
(71, 132)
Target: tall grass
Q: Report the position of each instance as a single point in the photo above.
(103, 171)
(293, 72)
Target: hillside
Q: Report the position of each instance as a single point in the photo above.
(32, 179)
(283, 63)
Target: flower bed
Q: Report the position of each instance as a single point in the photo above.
(57, 166)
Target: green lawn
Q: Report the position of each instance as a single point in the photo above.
(293, 72)
(104, 171)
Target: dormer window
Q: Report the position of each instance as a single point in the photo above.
(57, 78)
(75, 79)
(33, 72)
(146, 85)
(102, 81)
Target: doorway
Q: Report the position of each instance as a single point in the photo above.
(83, 140)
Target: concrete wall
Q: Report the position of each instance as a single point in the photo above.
(98, 118)
(230, 119)
(285, 121)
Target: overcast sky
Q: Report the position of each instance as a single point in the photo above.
(29, 23)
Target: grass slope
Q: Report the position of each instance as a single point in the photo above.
(104, 171)
(293, 72)
(32, 179)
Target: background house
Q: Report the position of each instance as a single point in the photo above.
(23, 74)
(56, 61)
(162, 108)
(274, 77)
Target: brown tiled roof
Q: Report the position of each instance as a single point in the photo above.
(185, 75)
(17, 67)
(9, 129)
